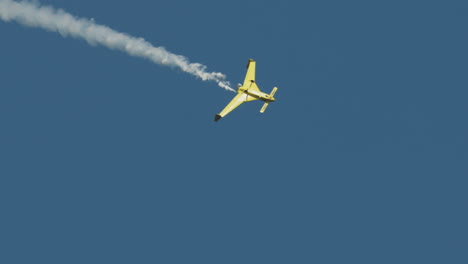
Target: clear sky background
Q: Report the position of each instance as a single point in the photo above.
(363, 158)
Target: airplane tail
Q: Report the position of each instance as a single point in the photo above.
(265, 105)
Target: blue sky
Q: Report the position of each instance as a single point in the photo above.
(107, 158)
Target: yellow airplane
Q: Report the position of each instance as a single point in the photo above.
(247, 92)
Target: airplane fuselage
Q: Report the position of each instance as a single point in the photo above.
(257, 94)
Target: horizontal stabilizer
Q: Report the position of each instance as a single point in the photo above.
(264, 107)
(217, 117)
(273, 91)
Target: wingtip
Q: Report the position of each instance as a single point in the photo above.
(248, 63)
(217, 117)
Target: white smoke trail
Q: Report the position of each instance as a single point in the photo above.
(57, 20)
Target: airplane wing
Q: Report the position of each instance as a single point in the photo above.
(235, 102)
(249, 81)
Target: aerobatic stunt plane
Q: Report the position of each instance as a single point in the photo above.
(247, 92)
